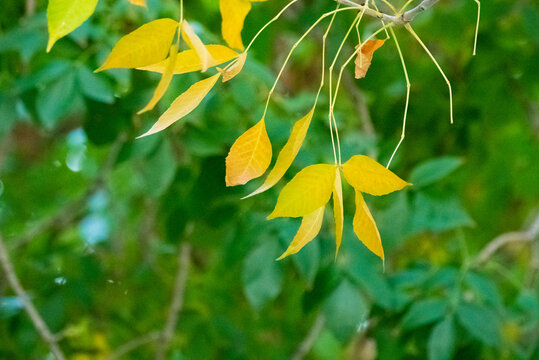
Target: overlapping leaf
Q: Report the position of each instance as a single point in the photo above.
(309, 228)
(146, 45)
(309, 190)
(338, 209)
(364, 56)
(365, 227)
(194, 42)
(233, 13)
(64, 16)
(287, 154)
(249, 156)
(234, 69)
(184, 104)
(366, 175)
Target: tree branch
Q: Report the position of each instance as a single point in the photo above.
(37, 320)
(133, 344)
(306, 345)
(177, 302)
(401, 19)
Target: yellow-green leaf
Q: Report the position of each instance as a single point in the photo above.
(138, 2)
(309, 228)
(194, 42)
(233, 13)
(164, 82)
(365, 227)
(64, 16)
(183, 104)
(366, 175)
(188, 60)
(146, 45)
(235, 68)
(287, 154)
(249, 156)
(338, 210)
(310, 189)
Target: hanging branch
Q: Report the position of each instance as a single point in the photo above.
(401, 19)
(37, 320)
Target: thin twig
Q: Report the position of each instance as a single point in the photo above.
(134, 344)
(37, 320)
(402, 19)
(177, 302)
(306, 345)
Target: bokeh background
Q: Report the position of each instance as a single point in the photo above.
(94, 220)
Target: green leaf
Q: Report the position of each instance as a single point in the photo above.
(159, 170)
(438, 214)
(424, 312)
(94, 86)
(484, 288)
(262, 275)
(434, 170)
(442, 340)
(54, 101)
(345, 310)
(480, 322)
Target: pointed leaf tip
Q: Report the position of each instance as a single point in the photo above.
(365, 227)
(309, 228)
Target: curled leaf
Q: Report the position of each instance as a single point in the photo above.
(164, 82)
(309, 228)
(287, 154)
(189, 61)
(338, 210)
(183, 104)
(309, 190)
(366, 175)
(194, 42)
(64, 16)
(365, 227)
(235, 68)
(146, 45)
(364, 56)
(249, 156)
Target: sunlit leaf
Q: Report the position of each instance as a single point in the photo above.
(235, 69)
(366, 175)
(189, 61)
(196, 44)
(146, 45)
(164, 82)
(233, 13)
(249, 156)
(309, 190)
(287, 154)
(365, 227)
(138, 2)
(183, 104)
(364, 56)
(64, 16)
(309, 228)
(338, 209)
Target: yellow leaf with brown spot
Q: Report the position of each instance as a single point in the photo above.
(309, 228)
(144, 46)
(338, 209)
(365, 227)
(164, 82)
(235, 68)
(188, 60)
(309, 190)
(364, 56)
(249, 157)
(366, 175)
(287, 154)
(183, 104)
(194, 42)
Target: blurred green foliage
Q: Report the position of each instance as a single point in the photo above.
(94, 218)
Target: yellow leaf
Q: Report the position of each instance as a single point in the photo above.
(235, 69)
(364, 56)
(338, 210)
(233, 13)
(249, 156)
(64, 16)
(194, 42)
(309, 228)
(188, 60)
(365, 227)
(146, 45)
(287, 154)
(138, 2)
(366, 175)
(164, 82)
(309, 190)
(183, 104)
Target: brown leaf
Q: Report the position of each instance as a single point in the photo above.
(364, 56)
